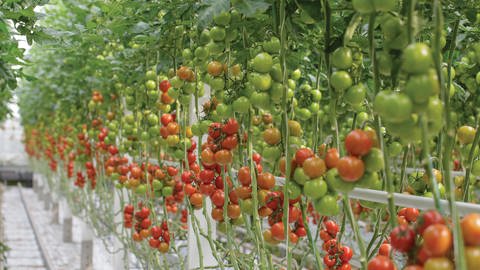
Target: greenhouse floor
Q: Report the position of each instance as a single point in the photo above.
(32, 235)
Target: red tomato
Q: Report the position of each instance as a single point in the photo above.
(301, 231)
(331, 227)
(230, 142)
(302, 154)
(350, 168)
(244, 176)
(411, 214)
(164, 86)
(166, 119)
(402, 238)
(230, 127)
(329, 260)
(345, 266)
(278, 232)
(218, 198)
(381, 263)
(346, 254)
(384, 249)
(429, 218)
(331, 158)
(358, 143)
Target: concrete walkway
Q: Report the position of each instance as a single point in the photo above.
(19, 235)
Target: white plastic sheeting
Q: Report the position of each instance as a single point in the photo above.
(12, 151)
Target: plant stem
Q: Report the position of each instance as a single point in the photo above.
(356, 231)
(285, 131)
(313, 245)
(460, 262)
(376, 79)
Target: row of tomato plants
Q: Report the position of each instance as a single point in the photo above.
(259, 118)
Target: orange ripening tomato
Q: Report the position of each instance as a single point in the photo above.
(471, 229)
(350, 168)
(437, 240)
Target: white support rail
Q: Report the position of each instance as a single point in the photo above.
(405, 200)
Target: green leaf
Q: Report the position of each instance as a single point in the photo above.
(28, 12)
(209, 9)
(312, 8)
(251, 7)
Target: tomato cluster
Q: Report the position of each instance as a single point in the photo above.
(337, 256)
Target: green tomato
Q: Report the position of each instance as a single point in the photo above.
(300, 176)
(271, 153)
(141, 189)
(314, 108)
(196, 129)
(157, 184)
(151, 85)
(384, 5)
(340, 80)
(304, 113)
(201, 53)
(247, 206)
(316, 95)
(368, 180)
(342, 58)
(152, 119)
(420, 87)
(187, 54)
(260, 100)
(417, 58)
(217, 83)
(362, 117)
(204, 125)
(476, 167)
(263, 62)
(296, 74)
(384, 62)
(179, 154)
(315, 189)
(151, 75)
(294, 190)
(215, 48)
(217, 33)
(261, 81)
(185, 99)
(327, 206)
(154, 131)
(398, 108)
(167, 191)
(241, 105)
(272, 46)
(189, 88)
(223, 110)
(373, 160)
(222, 19)
(176, 82)
(394, 149)
(276, 92)
(363, 6)
(291, 84)
(356, 94)
(276, 73)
